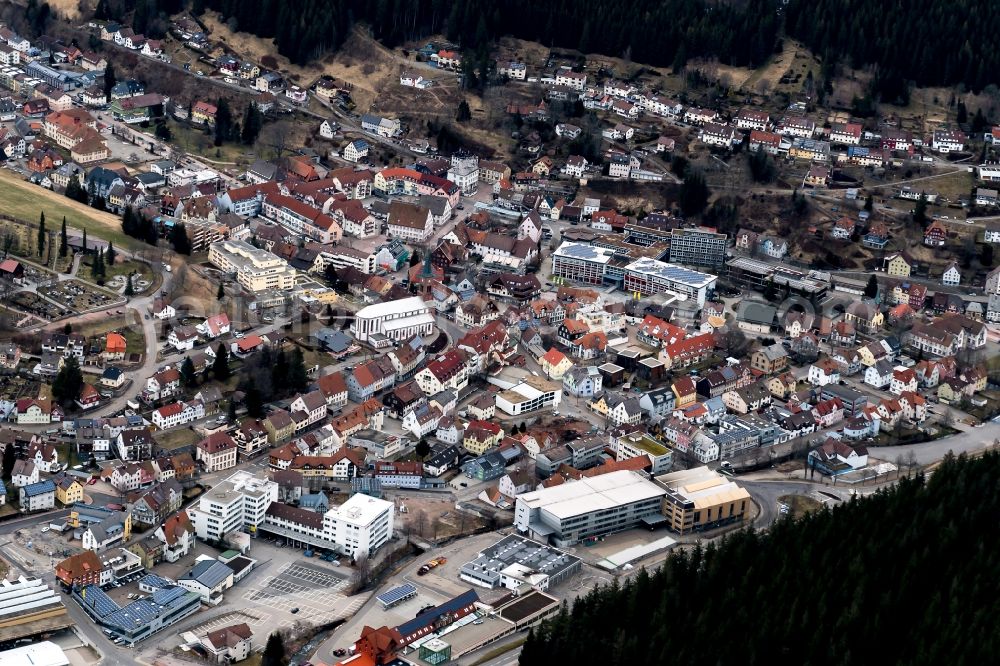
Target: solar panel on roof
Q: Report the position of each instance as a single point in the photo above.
(397, 594)
(101, 603)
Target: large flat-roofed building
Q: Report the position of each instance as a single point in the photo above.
(756, 274)
(398, 320)
(45, 653)
(255, 269)
(593, 506)
(649, 276)
(357, 528)
(141, 618)
(701, 498)
(527, 395)
(236, 504)
(516, 563)
(698, 247)
(29, 607)
(581, 263)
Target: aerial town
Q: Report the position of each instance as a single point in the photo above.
(350, 365)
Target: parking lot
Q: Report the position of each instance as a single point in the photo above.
(303, 591)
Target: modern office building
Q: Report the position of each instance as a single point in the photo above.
(357, 528)
(236, 504)
(255, 269)
(649, 276)
(593, 506)
(698, 247)
(397, 320)
(701, 498)
(581, 263)
(528, 395)
(516, 563)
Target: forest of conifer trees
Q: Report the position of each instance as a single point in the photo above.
(903, 577)
(926, 42)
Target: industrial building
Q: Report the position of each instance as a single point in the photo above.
(29, 607)
(45, 653)
(141, 618)
(700, 498)
(516, 563)
(593, 506)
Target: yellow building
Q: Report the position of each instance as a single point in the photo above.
(897, 265)
(782, 386)
(555, 364)
(685, 392)
(68, 490)
(481, 436)
(700, 498)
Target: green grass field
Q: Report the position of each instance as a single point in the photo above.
(25, 201)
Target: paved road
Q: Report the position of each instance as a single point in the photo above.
(976, 440)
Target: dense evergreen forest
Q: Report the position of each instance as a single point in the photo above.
(929, 42)
(656, 32)
(905, 577)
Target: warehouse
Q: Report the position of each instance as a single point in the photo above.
(516, 563)
(573, 512)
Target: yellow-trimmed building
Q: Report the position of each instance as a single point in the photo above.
(700, 498)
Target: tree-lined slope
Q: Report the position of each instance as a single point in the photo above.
(906, 577)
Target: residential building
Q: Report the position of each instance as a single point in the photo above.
(37, 496)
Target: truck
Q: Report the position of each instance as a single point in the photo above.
(433, 564)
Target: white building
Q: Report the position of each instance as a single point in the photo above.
(572, 512)
(397, 320)
(650, 276)
(529, 395)
(357, 528)
(567, 77)
(952, 276)
(255, 269)
(237, 503)
(464, 172)
(177, 413)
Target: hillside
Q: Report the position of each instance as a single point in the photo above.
(927, 42)
(904, 577)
